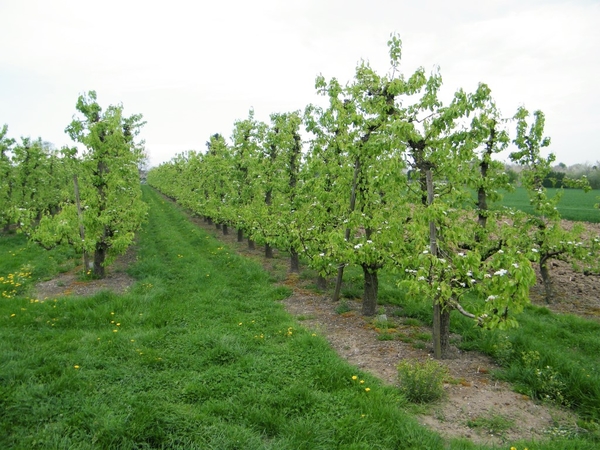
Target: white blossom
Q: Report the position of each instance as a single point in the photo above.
(501, 272)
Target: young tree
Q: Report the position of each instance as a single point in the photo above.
(544, 236)
(109, 186)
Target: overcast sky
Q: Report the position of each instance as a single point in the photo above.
(194, 67)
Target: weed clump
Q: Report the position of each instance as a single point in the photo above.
(422, 382)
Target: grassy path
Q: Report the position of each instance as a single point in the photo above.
(199, 354)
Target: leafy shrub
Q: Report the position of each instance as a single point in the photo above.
(545, 381)
(422, 382)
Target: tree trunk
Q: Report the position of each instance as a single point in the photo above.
(240, 235)
(369, 305)
(445, 332)
(338, 282)
(251, 245)
(441, 315)
(225, 229)
(209, 221)
(294, 261)
(86, 256)
(268, 251)
(441, 331)
(437, 329)
(321, 283)
(340, 274)
(548, 285)
(99, 258)
(218, 226)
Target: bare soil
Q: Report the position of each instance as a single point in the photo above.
(73, 282)
(473, 395)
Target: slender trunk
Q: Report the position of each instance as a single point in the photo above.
(340, 272)
(438, 328)
(99, 258)
(369, 305)
(268, 251)
(209, 221)
(484, 168)
(441, 331)
(251, 245)
(338, 282)
(482, 207)
(321, 283)
(218, 226)
(86, 257)
(445, 332)
(225, 229)
(294, 261)
(547, 280)
(240, 235)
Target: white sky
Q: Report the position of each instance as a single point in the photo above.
(194, 67)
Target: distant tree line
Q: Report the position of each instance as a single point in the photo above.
(560, 172)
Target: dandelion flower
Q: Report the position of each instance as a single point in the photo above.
(76, 367)
(354, 377)
(367, 389)
(362, 381)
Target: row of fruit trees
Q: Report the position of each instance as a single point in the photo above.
(88, 199)
(392, 177)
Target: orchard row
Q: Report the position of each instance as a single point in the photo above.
(390, 177)
(90, 200)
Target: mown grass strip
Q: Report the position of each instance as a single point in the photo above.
(199, 354)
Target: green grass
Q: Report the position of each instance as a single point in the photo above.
(574, 205)
(203, 356)
(550, 357)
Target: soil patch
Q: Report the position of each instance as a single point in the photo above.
(71, 283)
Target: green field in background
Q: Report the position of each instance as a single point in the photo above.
(575, 204)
